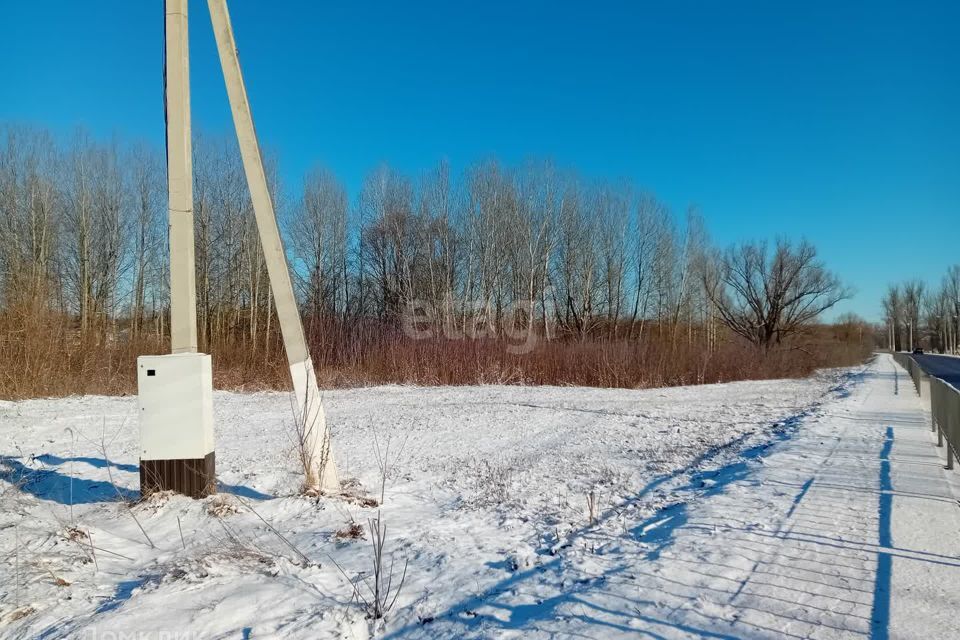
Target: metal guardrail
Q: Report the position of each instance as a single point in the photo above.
(944, 401)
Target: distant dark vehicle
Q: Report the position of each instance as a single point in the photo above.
(918, 351)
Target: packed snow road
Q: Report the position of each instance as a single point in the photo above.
(806, 508)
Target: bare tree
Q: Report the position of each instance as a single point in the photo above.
(650, 224)
(538, 204)
(894, 311)
(492, 203)
(951, 288)
(912, 301)
(146, 184)
(78, 232)
(318, 240)
(767, 298)
(613, 207)
(389, 246)
(29, 208)
(935, 308)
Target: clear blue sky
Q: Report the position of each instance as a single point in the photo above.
(838, 123)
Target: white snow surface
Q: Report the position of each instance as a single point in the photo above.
(815, 508)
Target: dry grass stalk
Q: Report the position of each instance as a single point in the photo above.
(384, 461)
(382, 594)
(379, 593)
(305, 561)
(593, 507)
(102, 446)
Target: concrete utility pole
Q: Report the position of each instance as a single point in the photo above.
(175, 391)
(183, 288)
(321, 472)
(910, 325)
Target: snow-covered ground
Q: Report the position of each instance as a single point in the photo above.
(799, 508)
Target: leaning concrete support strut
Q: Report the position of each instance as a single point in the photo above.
(321, 470)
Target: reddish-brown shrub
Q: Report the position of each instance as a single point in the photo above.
(41, 355)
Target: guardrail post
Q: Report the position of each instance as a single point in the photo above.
(943, 412)
(953, 425)
(935, 394)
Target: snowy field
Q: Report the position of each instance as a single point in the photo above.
(748, 509)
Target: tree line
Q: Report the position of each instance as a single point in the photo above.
(920, 316)
(532, 251)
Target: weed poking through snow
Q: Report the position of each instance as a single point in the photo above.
(593, 507)
(377, 592)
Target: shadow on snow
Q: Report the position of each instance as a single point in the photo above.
(656, 533)
(48, 483)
